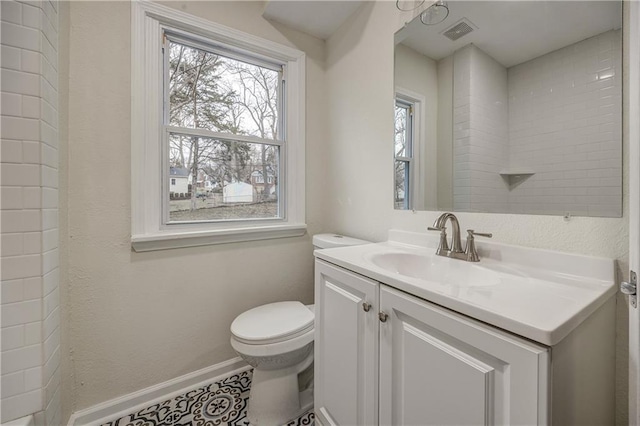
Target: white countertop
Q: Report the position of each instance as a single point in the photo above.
(539, 294)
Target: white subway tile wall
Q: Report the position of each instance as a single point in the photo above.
(565, 123)
(558, 116)
(29, 295)
(480, 147)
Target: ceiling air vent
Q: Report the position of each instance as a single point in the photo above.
(459, 29)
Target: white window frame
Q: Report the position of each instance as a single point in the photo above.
(417, 170)
(148, 230)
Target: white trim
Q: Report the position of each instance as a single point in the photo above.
(208, 29)
(204, 133)
(23, 421)
(419, 174)
(633, 93)
(147, 155)
(205, 44)
(134, 401)
(172, 240)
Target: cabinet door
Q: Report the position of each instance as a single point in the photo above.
(441, 368)
(346, 347)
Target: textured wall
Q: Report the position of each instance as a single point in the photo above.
(30, 296)
(360, 89)
(136, 319)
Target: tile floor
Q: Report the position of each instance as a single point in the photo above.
(220, 403)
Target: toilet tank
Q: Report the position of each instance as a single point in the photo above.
(323, 241)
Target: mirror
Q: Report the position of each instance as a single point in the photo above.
(511, 107)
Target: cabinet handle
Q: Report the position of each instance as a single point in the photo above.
(383, 317)
(366, 306)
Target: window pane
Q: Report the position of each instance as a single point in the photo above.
(401, 131)
(222, 179)
(220, 94)
(401, 179)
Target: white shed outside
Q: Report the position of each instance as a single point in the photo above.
(178, 180)
(237, 192)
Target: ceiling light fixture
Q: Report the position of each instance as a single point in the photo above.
(408, 5)
(435, 13)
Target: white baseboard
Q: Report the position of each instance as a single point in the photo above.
(24, 421)
(132, 402)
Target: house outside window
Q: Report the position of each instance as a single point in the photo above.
(227, 104)
(258, 178)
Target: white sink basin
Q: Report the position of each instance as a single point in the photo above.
(436, 269)
(411, 265)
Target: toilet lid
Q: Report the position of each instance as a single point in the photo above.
(272, 323)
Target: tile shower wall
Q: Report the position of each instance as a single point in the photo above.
(565, 125)
(480, 143)
(29, 217)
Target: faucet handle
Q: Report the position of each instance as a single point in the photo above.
(443, 245)
(471, 233)
(471, 252)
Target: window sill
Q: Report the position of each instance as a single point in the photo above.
(173, 239)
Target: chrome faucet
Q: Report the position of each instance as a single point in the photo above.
(470, 254)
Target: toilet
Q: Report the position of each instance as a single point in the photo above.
(277, 341)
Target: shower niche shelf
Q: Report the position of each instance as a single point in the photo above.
(515, 177)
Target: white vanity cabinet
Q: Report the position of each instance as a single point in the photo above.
(346, 347)
(440, 368)
(385, 357)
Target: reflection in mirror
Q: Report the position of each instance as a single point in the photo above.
(511, 107)
(403, 153)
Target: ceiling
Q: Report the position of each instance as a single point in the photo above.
(513, 32)
(315, 17)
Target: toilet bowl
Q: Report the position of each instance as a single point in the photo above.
(277, 341)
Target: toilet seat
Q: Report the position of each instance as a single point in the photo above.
(273, 349)
(273, 323)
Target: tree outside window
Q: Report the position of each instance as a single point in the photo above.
(223, 123)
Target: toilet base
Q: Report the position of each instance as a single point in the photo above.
(275, 396)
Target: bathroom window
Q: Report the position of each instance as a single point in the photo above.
(403, 152)
(223, 118)
(212, 109)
